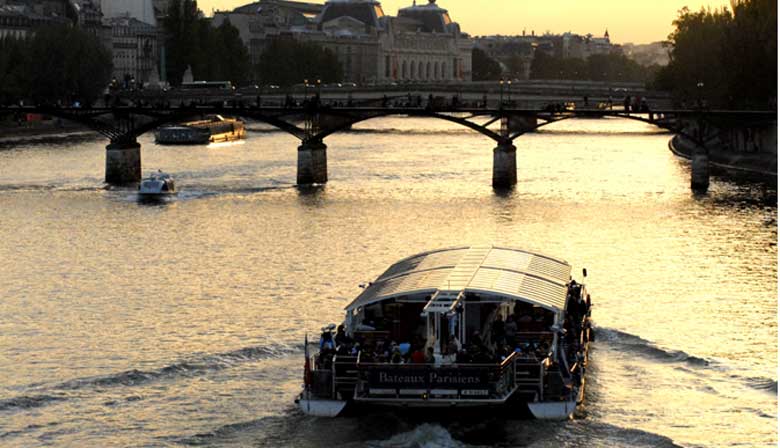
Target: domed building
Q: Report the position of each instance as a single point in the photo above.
(422, 44)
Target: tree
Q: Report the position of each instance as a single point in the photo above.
(215, 54)
(726, 58)
(610, 67)
(287, 61)
(483, 67)
(13, 65)
(65, 63)
(182, 40)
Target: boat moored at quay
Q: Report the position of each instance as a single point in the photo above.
(459, 328)
(211, 130)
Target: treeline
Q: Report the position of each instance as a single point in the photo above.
(598, 67)
(214, 54)
(724, 58)
(59, 64)
(218, 54)
(483, 67)
(286, 61)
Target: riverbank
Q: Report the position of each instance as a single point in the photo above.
(37, 131)
(759, 163)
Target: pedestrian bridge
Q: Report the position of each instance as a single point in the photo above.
(312, 122)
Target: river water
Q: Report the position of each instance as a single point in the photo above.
(182, 323)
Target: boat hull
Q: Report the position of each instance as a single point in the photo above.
(201, 132)
(321, 408)
(553, 410)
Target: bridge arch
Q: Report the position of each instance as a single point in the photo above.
(548, 120)
(419, 113)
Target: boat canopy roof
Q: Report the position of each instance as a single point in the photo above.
(507, 272)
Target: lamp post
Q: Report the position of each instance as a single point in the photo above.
(501, 89)
(305, 90)
(509, 86)
(319, 91)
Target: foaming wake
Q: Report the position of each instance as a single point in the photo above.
(135, 377)
(631, 343)
(424, 436)
(646, 348)
(28, 401)
(759, 383)
(181, 369)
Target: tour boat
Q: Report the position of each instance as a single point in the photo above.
(214, 129)
(158, 184)
(458, 328)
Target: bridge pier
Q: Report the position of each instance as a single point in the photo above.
(312, 163)
(123, 162)
(700, 170)
(504, 165)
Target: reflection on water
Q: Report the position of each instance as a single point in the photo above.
(182, 322)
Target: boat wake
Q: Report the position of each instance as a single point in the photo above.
(134, 377)
(759, 383)
(29, 401)
(631, 343)
(426, 435)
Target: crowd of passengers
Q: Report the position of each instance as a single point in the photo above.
(385, 350)
(519, 333)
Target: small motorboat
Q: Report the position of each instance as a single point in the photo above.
(157, 185)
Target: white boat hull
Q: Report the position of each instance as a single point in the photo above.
(321, 408)
(553, 410)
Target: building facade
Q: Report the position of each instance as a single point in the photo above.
(420, 44)
(134, 49)
(20, 18)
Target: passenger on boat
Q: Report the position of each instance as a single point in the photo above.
(418, 356)
(341, 337)
(326, 338)
(510, 330)
(429, 356)
(498, 332)
(451, 349)
(396, 357)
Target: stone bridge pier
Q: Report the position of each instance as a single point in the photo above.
(123, 162)
(504, 165)
(312, 163)
(700, 170)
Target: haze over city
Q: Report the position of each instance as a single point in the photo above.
(634, 21)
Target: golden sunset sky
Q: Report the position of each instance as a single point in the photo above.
(637, 21)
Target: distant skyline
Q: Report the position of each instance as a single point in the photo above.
(632, 21)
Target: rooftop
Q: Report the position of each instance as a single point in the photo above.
(512, 273)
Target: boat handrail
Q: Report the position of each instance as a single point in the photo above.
(509, 359)
(411, 365)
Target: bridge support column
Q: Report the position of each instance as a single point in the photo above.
(123, 163)
(312, 163)
(504, 166)
(700, 170)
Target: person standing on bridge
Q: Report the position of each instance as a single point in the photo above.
(627, 104)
